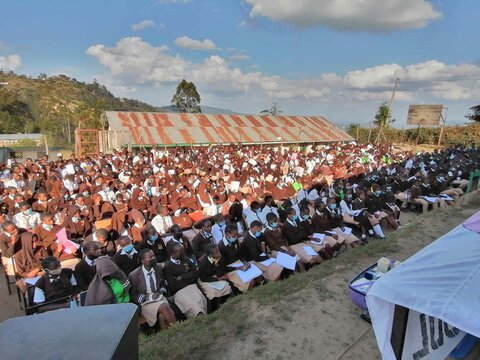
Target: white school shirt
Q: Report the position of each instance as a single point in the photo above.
(147, 279)
(39, 295)
(218, 233)
(162, 223)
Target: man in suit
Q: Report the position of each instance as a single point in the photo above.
(149, 291)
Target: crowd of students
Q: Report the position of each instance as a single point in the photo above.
(179, 231)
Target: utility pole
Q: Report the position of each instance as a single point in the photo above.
(379, 136)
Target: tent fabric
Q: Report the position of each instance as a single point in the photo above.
(473, 223)
(442, 281)
(178, 128)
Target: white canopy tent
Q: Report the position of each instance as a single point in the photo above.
(423, 308)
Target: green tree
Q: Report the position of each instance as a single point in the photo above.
(273, 111)
(383, 117)
(474, 113)
(187, 99)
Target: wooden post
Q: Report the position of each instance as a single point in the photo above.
(369, 135)
(440, 137)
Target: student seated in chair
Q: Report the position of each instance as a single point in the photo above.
(213, 279)
(149, 291)
(57, 286)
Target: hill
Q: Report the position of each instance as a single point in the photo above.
(56, 105)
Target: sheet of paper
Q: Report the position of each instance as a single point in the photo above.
(62, 235)
(287, 261)
(218, 285)
(250, 274)
(70, 169)
(446, 197)
(70, 247)
(234, 186)
(317, 242)
(150, 300)
(331, 232)
(318, 237)
(268, 262)
(309, 250)
(430, 199)
(236, 264)
(32, 281)
(347, 230)
(196, 183)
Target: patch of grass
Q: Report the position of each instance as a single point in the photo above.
(202, 337)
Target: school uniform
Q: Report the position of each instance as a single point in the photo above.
(143, 283)
(84, 273)
(252, 251)
(182, 276)
(210, 270)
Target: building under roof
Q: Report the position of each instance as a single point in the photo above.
(141, 128)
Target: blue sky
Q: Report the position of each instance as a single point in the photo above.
(336, 58)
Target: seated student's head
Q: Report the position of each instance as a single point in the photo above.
(348, 195)
(206, 226)
(101, 235)
(176, 231)
(305, 211)
(231, 233)
(42, 196)
(272, 220)
(291, 214)
(177, 251)
(219, 219)
(212, 251)
(25, 208)
(256, 228)
(47, 221)
(151, 233)
(10, 228)
(332, 203)
(91, 250)
(126, 244)
(255, 206)
(148, 259)
(269, 200)
(361, 195)
(51, 266)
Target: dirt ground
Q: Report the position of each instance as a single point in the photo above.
(322, 323)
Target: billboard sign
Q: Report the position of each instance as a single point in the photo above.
(424, 115)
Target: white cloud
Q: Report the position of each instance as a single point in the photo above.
(135, 63)
(359, 15)
(192, 44)
(10, 62)
(143, 25)
(239, 57)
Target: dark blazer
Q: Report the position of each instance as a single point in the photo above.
(294, 234)
(251, 249)
(138, 290)
(84, 274)
(198, 243)
(187, 272)
(209, 272)
(126, 263)
(230, 254)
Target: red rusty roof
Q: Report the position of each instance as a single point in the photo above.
(177, 128)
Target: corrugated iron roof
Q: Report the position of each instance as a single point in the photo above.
(177, 128)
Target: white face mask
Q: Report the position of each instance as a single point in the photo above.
(47, 227)
(76, 219)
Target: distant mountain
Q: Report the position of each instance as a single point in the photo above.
(205, 110)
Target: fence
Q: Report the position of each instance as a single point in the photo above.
(22, 153)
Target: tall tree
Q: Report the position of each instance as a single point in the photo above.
(474, 113)
(383, 117)
(187, 99)
(274, 110)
